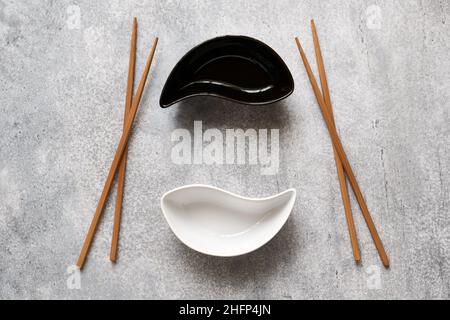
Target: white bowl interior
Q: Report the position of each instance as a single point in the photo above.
(216, 222)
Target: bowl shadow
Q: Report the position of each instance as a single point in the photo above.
(219, 113)
(252, 269)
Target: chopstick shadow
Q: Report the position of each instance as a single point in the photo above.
(253, 269)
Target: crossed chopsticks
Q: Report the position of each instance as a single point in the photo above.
(119, 162)
(342, 164)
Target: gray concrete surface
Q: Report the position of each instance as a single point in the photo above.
(62, 89)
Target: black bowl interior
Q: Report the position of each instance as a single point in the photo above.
(236, 68)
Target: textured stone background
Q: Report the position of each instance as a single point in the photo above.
(61, 102)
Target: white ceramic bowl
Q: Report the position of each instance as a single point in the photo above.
(219, 223)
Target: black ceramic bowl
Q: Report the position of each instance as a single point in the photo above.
(236, 68)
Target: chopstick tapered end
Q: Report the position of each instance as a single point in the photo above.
(386, 263)
(297, 41)
(300, 49)
(80, 264)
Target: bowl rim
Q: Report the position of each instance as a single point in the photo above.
(291, 207)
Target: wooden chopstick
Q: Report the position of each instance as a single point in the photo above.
(123, 161)
(339, 167)
(345, 163)
(115, 164)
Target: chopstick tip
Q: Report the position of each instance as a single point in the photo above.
(297, 40)
(79, 265)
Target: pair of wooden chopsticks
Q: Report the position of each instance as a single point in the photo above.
(119, 162)
(342, 164)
